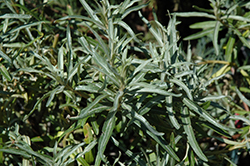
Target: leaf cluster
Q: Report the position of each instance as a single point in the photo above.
(95, 101)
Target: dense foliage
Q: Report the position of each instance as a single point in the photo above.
(79, 86)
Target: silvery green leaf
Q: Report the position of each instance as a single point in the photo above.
(169, 106)
(185, 117)
(242, 97)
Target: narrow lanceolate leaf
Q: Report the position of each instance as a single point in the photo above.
(59, 89)
(101, 42)
(60, 63)
(16, 16)
(99, 24)
(127, 28)
(89, 107)
(159, 139)
(76, 67)
(147, 124)
(70, 53)
(190, 133)
(199, 34)
(2, 54)
(216, 129)
(108, 126)
(243, 40)
(213, 97)
(215, 37)
(27, 149)
(16, 152)
(229, 48)
(141, 66)
(239, 18)
(34, 108)
(202, 25)
(213, 79)
(90, 12)
(71, 150)
(242, 97)
(183, 86)
(132, 155)
(135, 8)
(152, 30)
(169, 106)
(195, 14)
(5, 72)
(192, 106)
(159, 91)
(152, 102)
(26, 26)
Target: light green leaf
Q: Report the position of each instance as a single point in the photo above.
(16, 152)
(87, 149)
(246, 67)
(213, 97)
(199, 34)
(90, 12)
(75, 69)
(169, 107)
(229, 48)
(66, 152)
(89, 88)
(242, 97)
(215, 37)
(184, 73)
(98, 23)
(151, 29)
(16, 16)
(183, 86)
(5, 72)
(26, 26)
(108, 126)
(141, 66)
(194, 14)
(135, 8)
(159, 91)
(28, 150)
(213, 79)
(234, 17)
(190, 133)
(70, 53)
(60, 61)
(6, 57)
(85, 44)
(203, 25)
(101, 42)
